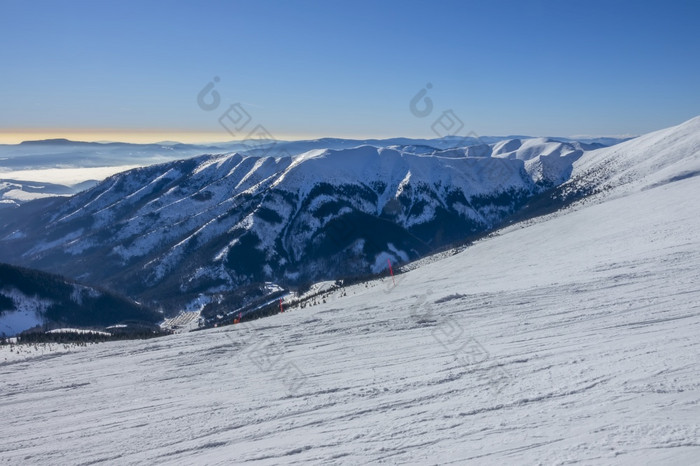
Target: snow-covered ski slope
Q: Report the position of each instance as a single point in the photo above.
(570, 339)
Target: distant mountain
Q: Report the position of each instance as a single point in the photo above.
(30, 298)
(51, 142)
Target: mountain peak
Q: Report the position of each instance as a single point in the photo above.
(46, 142)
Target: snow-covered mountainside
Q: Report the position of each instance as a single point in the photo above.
(548, 162)
(571, 338)
(16, 192)
(216, 222)
(30, 298)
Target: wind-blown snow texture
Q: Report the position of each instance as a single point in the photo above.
(572, 338)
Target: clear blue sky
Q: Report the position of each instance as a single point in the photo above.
(349, 69)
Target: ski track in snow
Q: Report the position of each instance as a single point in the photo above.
(570, 340)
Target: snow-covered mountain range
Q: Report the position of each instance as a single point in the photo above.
(60, 166)
(212, 223)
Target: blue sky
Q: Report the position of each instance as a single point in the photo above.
(347, 69)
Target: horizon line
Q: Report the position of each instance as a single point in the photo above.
(155, 136)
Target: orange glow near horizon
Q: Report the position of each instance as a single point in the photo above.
(10, 136)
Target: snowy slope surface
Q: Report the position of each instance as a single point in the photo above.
(569, 339)
(651, 160)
